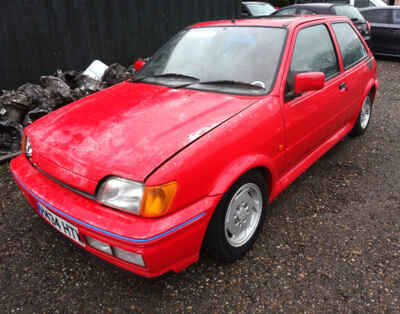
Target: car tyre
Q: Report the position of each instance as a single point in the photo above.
(364, 118)
(238, 218)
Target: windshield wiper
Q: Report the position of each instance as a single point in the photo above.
(166, 75)
(231, 83)
(195, 81)
(176, 75)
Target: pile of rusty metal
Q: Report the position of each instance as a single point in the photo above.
(29, 102)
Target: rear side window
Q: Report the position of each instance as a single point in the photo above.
(383, 16)
(351, 47)
(314, 52)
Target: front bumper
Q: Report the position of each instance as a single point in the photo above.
(168, 243)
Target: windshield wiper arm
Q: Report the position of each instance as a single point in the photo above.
(176, 75)
(167, 75)
(232, 83)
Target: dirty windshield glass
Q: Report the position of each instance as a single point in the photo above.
(231, 59)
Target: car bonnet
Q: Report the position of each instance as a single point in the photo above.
(127, 130)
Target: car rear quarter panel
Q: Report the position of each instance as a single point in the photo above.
(361, 78)
(252, 138)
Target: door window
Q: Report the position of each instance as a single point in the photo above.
(311, 57)
(351, 47)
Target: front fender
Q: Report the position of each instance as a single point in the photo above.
(252, 138)
(236, 168)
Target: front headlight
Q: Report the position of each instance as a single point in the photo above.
(26, 147)
(122, 194)
(135, 198)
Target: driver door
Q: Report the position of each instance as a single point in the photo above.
(311, 117)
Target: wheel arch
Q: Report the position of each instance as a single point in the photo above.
(215, 240)
(236, 169)
(371, 88)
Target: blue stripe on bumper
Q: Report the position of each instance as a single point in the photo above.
(107, 232)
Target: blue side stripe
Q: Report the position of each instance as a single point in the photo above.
(107, 232)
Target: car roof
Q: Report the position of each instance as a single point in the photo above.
(322, 7)
(272, 21)
(254, 2)
(314, 5)
(381, 8)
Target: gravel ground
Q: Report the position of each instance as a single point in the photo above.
(331, 244)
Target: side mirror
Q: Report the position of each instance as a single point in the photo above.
(308, 81)
(139, 64)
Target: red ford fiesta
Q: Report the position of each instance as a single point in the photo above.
(189, 154)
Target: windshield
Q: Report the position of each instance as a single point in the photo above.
(203, 57)
(260, 9)
(350, 12)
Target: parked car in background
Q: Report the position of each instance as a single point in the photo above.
(354, 3)
(256, 8)
(330, 9)
(189, 153)
(385, 30)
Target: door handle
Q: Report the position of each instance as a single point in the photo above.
(343, 86)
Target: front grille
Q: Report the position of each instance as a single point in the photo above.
(67, 186)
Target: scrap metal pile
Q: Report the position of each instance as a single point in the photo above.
(29, 102)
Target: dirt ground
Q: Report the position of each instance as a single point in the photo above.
(331, 244)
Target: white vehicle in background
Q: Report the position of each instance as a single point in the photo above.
(355, 3)
(257, 8)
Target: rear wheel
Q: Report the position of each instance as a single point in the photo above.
(238, 218)
(363, 119)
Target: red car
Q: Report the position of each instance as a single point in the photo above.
(188, 154)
